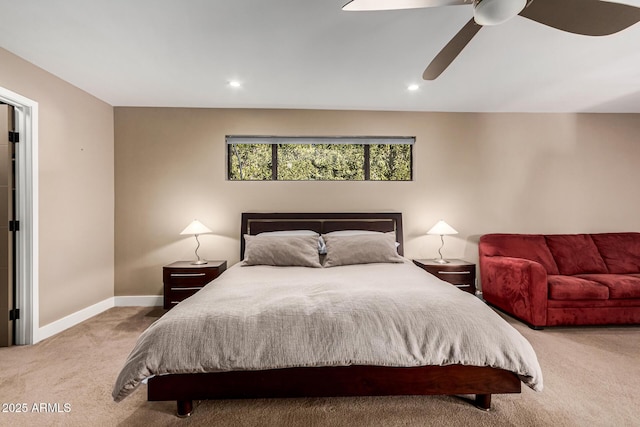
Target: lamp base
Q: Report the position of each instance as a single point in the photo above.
(200, 262)
(440, 261)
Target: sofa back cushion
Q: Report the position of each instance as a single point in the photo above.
(575, 254)
(620, 251)
(528, 246)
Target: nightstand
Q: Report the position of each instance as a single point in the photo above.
(458, 272)
(183, 279)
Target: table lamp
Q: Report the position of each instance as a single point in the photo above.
(441, 228)
(196, 228)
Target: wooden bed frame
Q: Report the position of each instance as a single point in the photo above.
(331, 381)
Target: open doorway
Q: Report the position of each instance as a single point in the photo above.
(22, 249)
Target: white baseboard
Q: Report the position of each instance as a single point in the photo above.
(86, 313)
(139, 301)
(73, 319)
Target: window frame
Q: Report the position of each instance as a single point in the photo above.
(275, 141)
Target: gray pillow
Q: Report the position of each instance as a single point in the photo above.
(281, 250)
(361, 249)
(321, 248)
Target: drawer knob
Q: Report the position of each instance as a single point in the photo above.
(454, 272)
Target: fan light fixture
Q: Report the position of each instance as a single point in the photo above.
(196, 228)
(583, 17)
(494, 12)
(441, 228)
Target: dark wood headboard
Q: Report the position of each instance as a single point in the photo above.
(254, 223)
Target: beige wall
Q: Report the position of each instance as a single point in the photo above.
(76, 189)
(481, 172)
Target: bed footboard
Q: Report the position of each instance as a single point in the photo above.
(334, 381)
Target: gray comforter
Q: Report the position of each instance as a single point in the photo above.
(262, 317)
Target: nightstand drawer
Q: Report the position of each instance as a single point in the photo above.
(455, 277)
(177, 295)
(460, 273)
(183, 279)
(189, 278)
(467, 287)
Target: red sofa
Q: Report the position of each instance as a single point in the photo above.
(563, 279)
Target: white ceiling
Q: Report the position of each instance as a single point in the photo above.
(311, 54)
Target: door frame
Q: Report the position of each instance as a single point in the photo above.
(27, 294)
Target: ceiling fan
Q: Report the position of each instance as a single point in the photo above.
(584, 17)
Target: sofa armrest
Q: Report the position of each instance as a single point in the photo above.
(517, 286)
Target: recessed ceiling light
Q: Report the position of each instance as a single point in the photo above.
(413, 87)
(234, 83)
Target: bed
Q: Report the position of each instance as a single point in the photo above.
(341, 329)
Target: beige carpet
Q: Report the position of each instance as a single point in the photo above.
(591, 377)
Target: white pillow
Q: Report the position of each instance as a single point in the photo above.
(322, 246)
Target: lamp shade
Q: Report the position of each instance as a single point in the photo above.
(494, 12)
(196, 227)
(441, 228)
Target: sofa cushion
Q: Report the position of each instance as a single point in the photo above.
(528, 246)
(620, 251)
(575, 288)
(621, 286)
(575, 254)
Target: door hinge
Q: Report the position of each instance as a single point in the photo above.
(14, 136)
(14, 314)
(14, 225)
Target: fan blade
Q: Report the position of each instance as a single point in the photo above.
(363, 5)
(451, 50)
(584, 17)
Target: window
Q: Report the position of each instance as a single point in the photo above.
(269, 158)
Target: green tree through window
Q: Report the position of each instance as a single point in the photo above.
(250, 162)
(320, 162)
(390, 162)
(322, 159)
